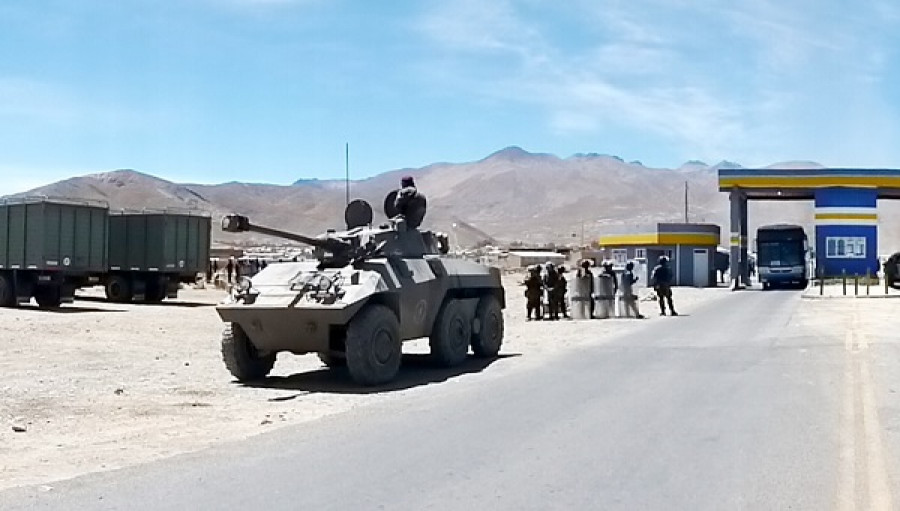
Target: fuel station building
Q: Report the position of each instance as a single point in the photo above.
(846, 217)
(691, 249)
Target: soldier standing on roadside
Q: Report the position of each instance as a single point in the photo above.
(533, 290)
(584, 280)
(550, 283)
(229, 268)
(629, 299)
(606, 291)
(559, 292)
(662, 282)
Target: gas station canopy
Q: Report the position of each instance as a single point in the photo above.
(845, 211)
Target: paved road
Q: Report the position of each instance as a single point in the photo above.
(740, 405)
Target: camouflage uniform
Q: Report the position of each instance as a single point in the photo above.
(662, 283)
(559, 292)
(533, 289)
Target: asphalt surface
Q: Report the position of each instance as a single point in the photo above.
(738, 405)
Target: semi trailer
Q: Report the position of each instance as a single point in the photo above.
(51, 247)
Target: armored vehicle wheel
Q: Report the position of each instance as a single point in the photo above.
(118, 289)
(489, 317)
(333, 359)
(451, 335)
(47, 296)
(373, 345)
(241, 357)
(7, 293)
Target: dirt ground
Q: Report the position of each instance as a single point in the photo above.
(97, 386)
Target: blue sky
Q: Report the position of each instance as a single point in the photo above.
(270, 90)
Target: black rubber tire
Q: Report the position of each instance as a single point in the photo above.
(451, 335)
(47, 297)
(333, 360)
(803, 284)
(373, 345)
(241, 357)
(7, 291)
(118, 289)
(155, 290)
(766, 286)
(489, 316)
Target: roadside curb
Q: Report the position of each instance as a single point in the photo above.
(815, 296)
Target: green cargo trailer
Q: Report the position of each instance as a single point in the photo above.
(150, 253)
(49, 247)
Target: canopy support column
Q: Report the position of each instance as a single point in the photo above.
(740, 270)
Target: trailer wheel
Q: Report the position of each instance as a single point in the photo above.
(47, 297)
(489, 316)
(450, 338)
(118, 289)
(241, 357)
(7, 291)
(373, 345)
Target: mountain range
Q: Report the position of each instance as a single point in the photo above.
(510, 196)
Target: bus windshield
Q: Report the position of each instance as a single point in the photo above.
(780, 253)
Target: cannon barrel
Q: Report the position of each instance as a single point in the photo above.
(240, 223)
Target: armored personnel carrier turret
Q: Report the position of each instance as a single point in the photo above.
(369, 289)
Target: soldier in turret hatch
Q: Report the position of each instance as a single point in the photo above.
(410, 203)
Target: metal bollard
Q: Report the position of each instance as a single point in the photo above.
(821, 284)
(855, 284)
(868, 282)
(844, 281)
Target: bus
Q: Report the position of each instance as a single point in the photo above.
(781, 256)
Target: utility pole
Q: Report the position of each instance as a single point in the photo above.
(347, 169)
(685, 202)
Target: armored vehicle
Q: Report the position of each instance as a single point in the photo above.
(369, 289)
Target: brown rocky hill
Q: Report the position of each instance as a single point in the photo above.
(511, 195)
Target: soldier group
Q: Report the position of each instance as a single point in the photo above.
(546, 287)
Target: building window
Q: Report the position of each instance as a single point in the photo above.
(620, 255)
(845, 247)
(640, 253)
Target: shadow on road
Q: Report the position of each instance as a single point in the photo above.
(67, 309)
(774, 289)
(98, 299)
(416, 370)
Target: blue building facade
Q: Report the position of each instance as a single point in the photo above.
(846, 231)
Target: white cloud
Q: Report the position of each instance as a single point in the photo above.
(742, 80)
(580, 91)
(477, 26)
